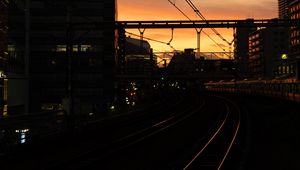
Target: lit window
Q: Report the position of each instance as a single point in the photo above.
(85, 47)
(5, 110)
(280, 69)
(283, 69)
(61, 48)
(11, 48)
(75, 48)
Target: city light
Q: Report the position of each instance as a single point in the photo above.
(22, 135)
(122, 84)
(284, 56)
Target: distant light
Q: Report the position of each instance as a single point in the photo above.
(2, 75)
(284, 56)
(22, 131)
(23, 141)
(23, 136)
(25, 130)
(162, 78)
(112, 108)
(91, 114)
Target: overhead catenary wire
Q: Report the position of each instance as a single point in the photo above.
(196, 10)
(173, 3)
(151, 39)
(172, 36)
(198, 30)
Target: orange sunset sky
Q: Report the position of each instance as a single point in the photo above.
(186, 38)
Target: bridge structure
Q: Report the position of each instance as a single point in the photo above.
(200, 24)
(183, 24)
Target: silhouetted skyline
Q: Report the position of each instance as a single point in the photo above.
(186, 38)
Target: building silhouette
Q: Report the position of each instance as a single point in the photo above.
(139, 59)
(182, 63)
(283, 9)
(294, 12)
(3, 57)
(241, 48)
(267, 50)
(58, 65)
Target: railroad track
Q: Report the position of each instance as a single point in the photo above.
(216, 148)
(209, 150)
(149, 128)
(194, 135)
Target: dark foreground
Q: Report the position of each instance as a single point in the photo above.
(172, 135)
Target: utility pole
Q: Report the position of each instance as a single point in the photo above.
(141, 37)
(27, 53)
(198, 40)
(69, 47)
(165, 63)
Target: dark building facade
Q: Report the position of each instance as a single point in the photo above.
(64, 65)
(139, 59)
(182, 63)
(241, 48)
(283, 9)
(267, 50)
(3, 57)
(295, 31)
(294, 54)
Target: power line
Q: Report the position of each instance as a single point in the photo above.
(195, 27)
(151, 39)
(196, 10)
(173, 3)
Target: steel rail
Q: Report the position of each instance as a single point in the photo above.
(139, 135)
(155, 128)
(216, 133)
(234, 136)
(209, 141)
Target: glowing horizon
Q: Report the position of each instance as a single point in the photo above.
(186, 38)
